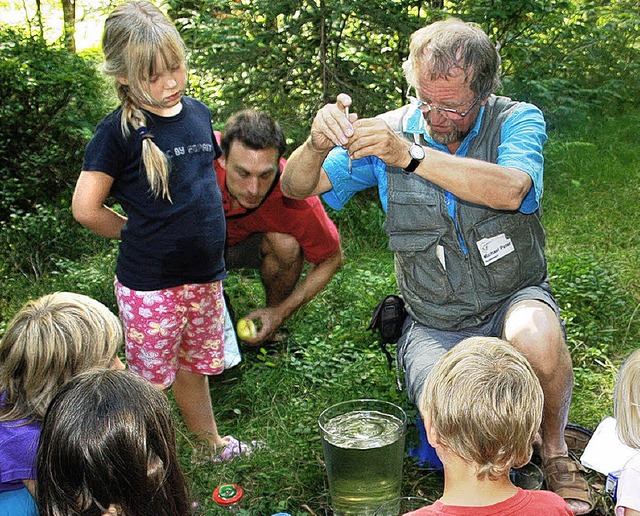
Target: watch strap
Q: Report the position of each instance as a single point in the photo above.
(413, 164)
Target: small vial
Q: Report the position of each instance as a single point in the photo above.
(346, 113)
(228, 496)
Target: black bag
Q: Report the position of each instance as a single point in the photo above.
(387, 318)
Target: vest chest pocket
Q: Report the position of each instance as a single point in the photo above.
(413, 210)
(420, 273)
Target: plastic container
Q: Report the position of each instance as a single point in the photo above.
(228, 496)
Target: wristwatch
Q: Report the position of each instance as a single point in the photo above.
(417, 155)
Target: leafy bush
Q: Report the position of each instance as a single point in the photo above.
(51, 104)
(33, 243)
(568, 57)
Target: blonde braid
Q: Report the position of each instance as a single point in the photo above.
(156, 164)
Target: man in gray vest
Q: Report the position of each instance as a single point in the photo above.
(459, 173)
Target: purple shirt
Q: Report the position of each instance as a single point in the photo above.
(18, 446)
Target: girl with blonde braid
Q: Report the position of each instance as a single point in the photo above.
(154, 154)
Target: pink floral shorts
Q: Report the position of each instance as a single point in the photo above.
(180, 327)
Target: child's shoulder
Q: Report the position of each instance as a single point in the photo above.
(188, 101)
(546, 500)
(15, 432)
(633, 462)
(111, 123)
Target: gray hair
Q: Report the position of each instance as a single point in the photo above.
(445, 45)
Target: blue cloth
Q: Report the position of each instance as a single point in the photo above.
(522, 137)
(18, 446)
(18, 502)
(422, 451)
(165, 243)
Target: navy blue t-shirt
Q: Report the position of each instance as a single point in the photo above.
(165, 244)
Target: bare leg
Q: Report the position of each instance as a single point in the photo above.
(533, 328)
(281, 266)
(191, 391)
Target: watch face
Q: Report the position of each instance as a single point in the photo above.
(416, 152)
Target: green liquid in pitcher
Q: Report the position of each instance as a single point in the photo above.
(363, 453)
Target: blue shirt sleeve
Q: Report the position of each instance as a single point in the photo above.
(522, 137)
(365, 173)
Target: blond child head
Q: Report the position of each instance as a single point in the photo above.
(139, 42)
(50, 340)
(626, 403)
(484, 404)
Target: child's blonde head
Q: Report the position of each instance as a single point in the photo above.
(626, 404)
(50, 340)
(139, 41)
(485, 404)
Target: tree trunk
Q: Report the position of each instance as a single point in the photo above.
(69, 16)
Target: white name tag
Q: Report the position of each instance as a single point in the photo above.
(494, 248)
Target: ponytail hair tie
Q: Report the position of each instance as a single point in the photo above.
(143, 133)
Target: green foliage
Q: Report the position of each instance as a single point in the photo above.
(594, 251)
(33, 243)
(361, 222)
(52, 101)
(590, 183)
(289, 57)
(575, 59)
(595, 309)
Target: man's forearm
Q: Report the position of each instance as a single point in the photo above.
(316, 279)
(302, 173)
(477, 181)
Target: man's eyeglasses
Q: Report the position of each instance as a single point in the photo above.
(448, 112)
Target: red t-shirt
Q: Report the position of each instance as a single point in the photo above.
(523, 503)
(305, 219)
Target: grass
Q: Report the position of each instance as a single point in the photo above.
(275, 396)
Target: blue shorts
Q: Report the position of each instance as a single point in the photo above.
(420, 347)
(18, 502)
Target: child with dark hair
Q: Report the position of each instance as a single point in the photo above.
(48, 342)
(108, 448)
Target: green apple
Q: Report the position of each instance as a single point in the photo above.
(246, 329)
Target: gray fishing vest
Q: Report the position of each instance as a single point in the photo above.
(443, 287)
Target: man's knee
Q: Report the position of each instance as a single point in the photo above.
(282, 247)
(535, 329)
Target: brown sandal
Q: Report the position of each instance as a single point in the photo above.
(577, 437)
(563, 476)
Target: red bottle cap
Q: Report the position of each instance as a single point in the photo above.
(227, 494)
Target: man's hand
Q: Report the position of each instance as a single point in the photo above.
(270, 319)
(331, 126)
(373, 137)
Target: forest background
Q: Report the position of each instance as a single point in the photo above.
(578, 60)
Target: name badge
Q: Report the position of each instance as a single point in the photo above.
(494, 248)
